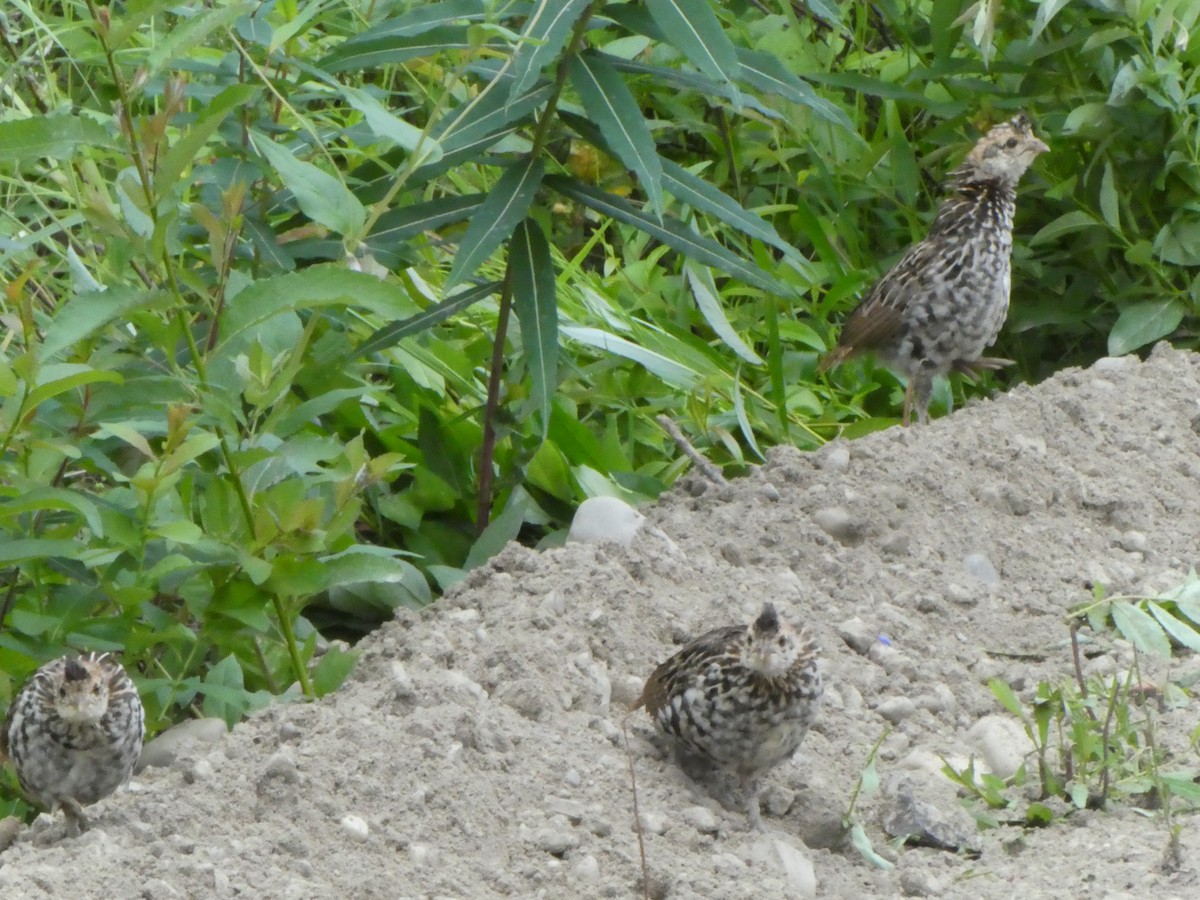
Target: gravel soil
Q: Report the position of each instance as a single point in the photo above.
(477, 749)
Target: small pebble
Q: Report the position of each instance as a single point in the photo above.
(1133, 541)
(835, 458)
(896, 709)
(770, 492)
(1002, 743)
(978, 566)
(838, 524)
(587, 868)
(556, 838)
(701, 818)
(289, 731)
(653, 823)
(857, 634)
(355, 827)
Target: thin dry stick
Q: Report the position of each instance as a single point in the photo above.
(637, 816)
(707, 469)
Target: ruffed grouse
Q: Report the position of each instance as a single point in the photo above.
(74, 733)
(945, 300)
(740, 697)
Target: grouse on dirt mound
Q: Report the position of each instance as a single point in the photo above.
(945, 300)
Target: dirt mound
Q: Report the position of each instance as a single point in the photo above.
(477, 749)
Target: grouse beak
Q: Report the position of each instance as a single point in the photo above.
(1039, 146)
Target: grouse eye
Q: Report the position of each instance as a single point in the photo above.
(1010, 143)
(96, 689)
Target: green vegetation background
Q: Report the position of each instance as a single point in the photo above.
(310, 307)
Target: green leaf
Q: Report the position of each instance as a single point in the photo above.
(704, 290)
(384, 124)
(58, 378)
(398, 225)
(376, 47)
(209, 118)
(542, 39)
(85, 314)
(391, 334)
(739, 409)
(1139, 628)
(667, 369)
(670, 231)
(1109, 205)
(189, 31)
(500, 530)
(1067, 223)
(613, 109)
(862, 843)
(1143, 323)
(316, 286)
(1183, 632)
(505, 207)
(39, 548)
(768, 73)
(46, 498)
(533, 290)
(321, 197)
(692, 27)
(1038, 815)
(332, 669)
(56, 137)
(1002, 692)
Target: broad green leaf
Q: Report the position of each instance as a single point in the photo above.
(500, 530)
(671, 232)
(692, 27)
(1178, 242)
(391, 334)
(321, 196)
(332, 669)
(39, 548)
(400, 224)
(28, 140)
(1067, 223)
(385, 124)
(545, 33)
(533, 291)
(85, 314)
(613, 109)
(45, 498)
(1139, 628)
(704, 290)
(667, 369)
(1177, 628)
(316, 286)
(768, 73)
(505, 206)
(125, 431)
(1002, 692)
(58, 378)
(196, 445)
(1143, 323)
(1109, 205)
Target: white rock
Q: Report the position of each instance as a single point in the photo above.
(896, 709)
(701, 818)
(355, 827)
(788, 858)
(1002, 743)
(603, 519)
(978, 566)
(586, 869)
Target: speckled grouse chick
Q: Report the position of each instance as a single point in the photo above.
(740, 697)
(74, 733)
(945, 300)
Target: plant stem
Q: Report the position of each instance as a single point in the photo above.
(487, 452)
(289, 638)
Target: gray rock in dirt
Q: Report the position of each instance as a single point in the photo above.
(10, 827)
(600, 520)
(925, 823)
(1002, 743)
(835, 459)
(783, 854)
(915, 883)
(839, 524)
(896, 709)
(163, 750)
(354, 827)
(557, 837)
(858, 635)
(979, 567)
(701, 818)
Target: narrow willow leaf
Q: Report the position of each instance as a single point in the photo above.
(58, 378)
(85, 314)
(739, 409)
(385, 124)
(691, 81)
(370, 50)
(704, 290)
(692, 27)
(1176, 627)
(532, 271)
(188, 146)
(425, 17)
(1139, 628)
(398, 225)
(390, 334)
(28, 140)
(768, 73)
(190, 32)
(487, 118)
(316, 286)
(543, 37)
(665, 368)
(1067, 223)
(613, 109)
(670, 231)
(321, 196)
(1143, 323)
(505, 206)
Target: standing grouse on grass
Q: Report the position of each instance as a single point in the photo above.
(740, 698)
(74, 733)
(945, 300)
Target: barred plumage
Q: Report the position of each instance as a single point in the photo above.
(740, 697)
(74, 733)
(946, 299)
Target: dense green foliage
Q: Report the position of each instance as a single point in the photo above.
(311, 307)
